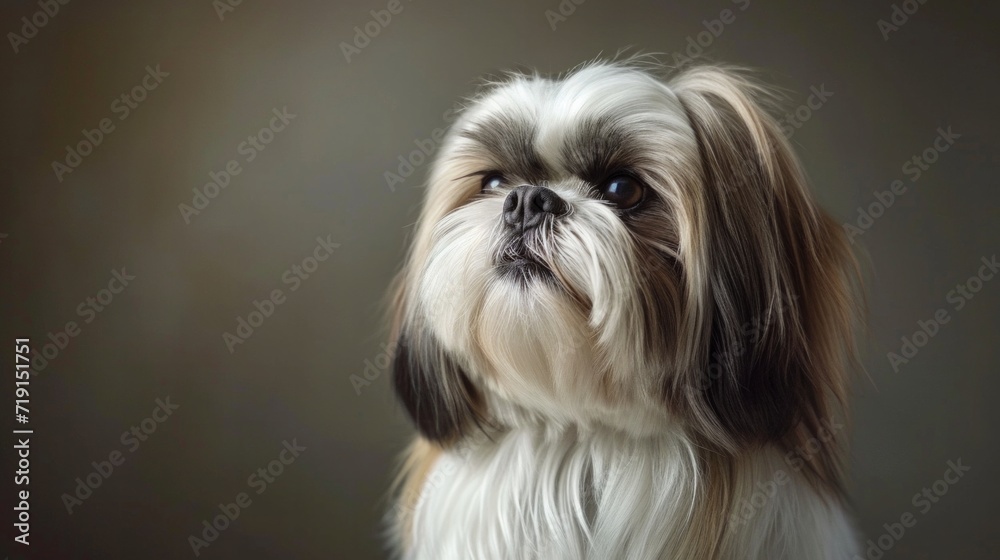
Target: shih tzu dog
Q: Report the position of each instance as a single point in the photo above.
(623, 330)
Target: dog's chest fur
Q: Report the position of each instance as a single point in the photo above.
(533, 494)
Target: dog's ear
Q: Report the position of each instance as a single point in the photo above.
(436, 392)
(778, 292)
(431, 384)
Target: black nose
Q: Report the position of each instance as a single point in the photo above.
(526, 207)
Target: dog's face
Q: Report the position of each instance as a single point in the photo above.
(611, 248)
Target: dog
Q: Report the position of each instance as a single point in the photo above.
(624, 329)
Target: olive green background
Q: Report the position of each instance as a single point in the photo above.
(324, 175)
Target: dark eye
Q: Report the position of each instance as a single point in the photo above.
(492, 181)
(623, 191)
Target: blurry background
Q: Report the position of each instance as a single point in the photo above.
(220, 71)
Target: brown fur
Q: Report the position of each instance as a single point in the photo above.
(770, 243)
(417, 462)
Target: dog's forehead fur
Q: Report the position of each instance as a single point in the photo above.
(593, 122)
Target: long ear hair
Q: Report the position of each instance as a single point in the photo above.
(436, 392)
(429, 381)
(777, 284)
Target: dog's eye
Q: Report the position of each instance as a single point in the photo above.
(623, 191)
(492, 181)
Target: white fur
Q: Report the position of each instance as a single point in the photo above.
(560, 493)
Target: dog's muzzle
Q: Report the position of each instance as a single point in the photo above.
(525, 209)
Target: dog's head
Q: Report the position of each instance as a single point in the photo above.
(616, 248)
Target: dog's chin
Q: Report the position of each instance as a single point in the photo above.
(523, 270)
(518, 264)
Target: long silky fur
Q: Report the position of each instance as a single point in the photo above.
(632, 402)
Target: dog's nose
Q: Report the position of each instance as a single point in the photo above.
(526, 207)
